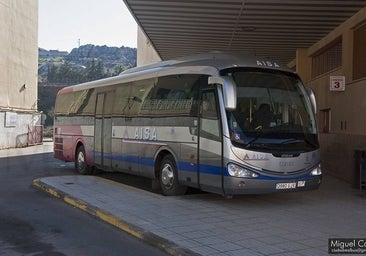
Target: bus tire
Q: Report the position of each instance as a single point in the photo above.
(168, 177)
(80, 161)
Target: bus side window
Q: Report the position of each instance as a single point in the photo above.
(208, 108)
(210, 126)
(173, 95)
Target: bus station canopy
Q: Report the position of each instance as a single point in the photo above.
(268, 28)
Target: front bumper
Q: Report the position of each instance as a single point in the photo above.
(238, 186)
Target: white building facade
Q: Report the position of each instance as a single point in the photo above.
(18, 73)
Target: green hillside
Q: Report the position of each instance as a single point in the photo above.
(57, 69)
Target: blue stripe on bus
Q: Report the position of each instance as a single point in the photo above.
(188, 167)
(124, 158)
(183, 166)
(267, 177)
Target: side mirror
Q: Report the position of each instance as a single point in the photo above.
(228, 88)
(311, 95)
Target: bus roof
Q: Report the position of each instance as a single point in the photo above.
(206, 63)
(219, 60)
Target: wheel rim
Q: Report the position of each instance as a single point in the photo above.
(167, 176)
(81, 161)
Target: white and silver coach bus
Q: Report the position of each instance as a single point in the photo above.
(221, 122)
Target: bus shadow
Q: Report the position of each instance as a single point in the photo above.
(197, 194)
(139, 182)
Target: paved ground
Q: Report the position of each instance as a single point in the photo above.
(34, 223)
(208, 224)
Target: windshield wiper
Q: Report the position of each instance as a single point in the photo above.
(312, 144)
(291, 140)
(254, 139)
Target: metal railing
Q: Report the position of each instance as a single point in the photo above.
(35, 134)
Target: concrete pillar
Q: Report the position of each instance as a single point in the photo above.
(303, 65)
(146, 52)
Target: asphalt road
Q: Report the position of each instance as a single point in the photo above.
(34, 223)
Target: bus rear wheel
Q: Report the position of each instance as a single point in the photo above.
(169, 179)
(80, 161)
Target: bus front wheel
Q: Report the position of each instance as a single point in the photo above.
(80, 161)
(169, 178)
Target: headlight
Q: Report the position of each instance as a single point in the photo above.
(316, 171)
(238, 171)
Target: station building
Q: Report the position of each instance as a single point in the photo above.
(19, 117)
(333, 66)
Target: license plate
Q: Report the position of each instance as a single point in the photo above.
(288, 185)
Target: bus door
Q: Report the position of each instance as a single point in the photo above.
(210, 143)
(103, 130)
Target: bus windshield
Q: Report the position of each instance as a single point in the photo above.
(273, 112)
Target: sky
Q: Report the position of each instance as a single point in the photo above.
(63, 24)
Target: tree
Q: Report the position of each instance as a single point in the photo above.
(94, 70)
(118, 69)
(52, 73)
(65, 73)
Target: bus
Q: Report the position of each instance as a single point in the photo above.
(226, 123)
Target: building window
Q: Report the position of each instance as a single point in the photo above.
(359, 52)
(327, 59)
(324, 120)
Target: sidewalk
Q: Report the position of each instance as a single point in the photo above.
(46, 147)
(207, 224)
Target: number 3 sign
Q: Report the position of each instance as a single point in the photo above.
(337, 83)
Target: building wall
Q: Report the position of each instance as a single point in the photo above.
(18, 69)
(346, 109)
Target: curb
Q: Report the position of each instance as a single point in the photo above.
(146, 236)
